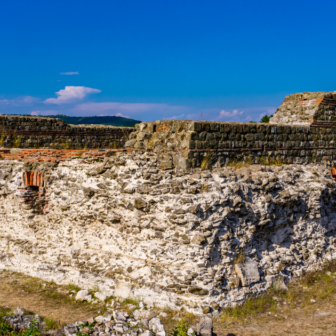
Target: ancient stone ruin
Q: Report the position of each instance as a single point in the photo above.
(187, 214)
(308, 108)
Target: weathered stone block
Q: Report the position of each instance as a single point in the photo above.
(247, 272)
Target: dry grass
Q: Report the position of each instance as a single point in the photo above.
(240, 163)
(2, 139)
(306, 294)
(271, 161)
(16, 141)
(241, 257)
(265, 161)
(207, 161)
(276, 312)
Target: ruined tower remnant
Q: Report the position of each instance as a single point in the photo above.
(308, 108)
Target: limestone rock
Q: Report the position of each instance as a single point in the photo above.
(205, 326)
(147, 314)
(20, 311)
(82, 295)
(118, 316)
(198, 239)
(276, 281)
(140, 203)
(247, 272)
(101, 296)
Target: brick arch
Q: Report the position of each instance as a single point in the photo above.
(33, 179)
(33, 191)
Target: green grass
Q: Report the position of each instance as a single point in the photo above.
(51, 324)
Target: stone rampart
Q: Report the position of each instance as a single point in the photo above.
(41, 132)
(185, 143)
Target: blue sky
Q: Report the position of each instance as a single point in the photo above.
(149, 60)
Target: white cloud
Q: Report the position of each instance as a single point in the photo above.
(70, 73)
(113, 115)
(30, 100)
(234, 113)
(71, 94)
(176, 117)
(44, 112)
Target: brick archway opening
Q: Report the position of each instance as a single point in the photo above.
(333, 173)
(33, 191)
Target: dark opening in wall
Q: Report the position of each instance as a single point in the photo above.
(154, 128)
(33, 191)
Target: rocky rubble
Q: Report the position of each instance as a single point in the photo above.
(140, 323)
(19, 321)
(194, 238)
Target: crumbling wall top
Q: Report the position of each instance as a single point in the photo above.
(306, 108)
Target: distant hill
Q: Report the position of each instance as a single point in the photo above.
(112, 121)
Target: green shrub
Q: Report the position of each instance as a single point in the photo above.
(181, 329)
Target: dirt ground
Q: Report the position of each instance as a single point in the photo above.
(321, 322)
(52, 301)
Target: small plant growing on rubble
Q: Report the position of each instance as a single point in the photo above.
(16, 141)
(51, 324)
(67, 145)
(181, 329)
(2, 139)
(241, 257)
(115, 144)
(32, 331)
(240, 163)
(207, 160)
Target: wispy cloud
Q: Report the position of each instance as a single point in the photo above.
(176, 117)
(225, 114)
(44, 112)
(71, 94)
(70, 73)
(158, 111)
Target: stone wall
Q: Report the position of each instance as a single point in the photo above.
(178, 238)
(42, 132)
(56, 155)
(185, 143)
(307, 108)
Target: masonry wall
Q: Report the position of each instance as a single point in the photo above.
(40, 132)
(187, 142)
(166, 236)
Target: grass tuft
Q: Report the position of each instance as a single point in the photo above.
(207, 161)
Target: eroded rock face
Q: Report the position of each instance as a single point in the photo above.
(175, 238)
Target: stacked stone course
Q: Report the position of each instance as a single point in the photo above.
(188, 141)
(42, 132)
